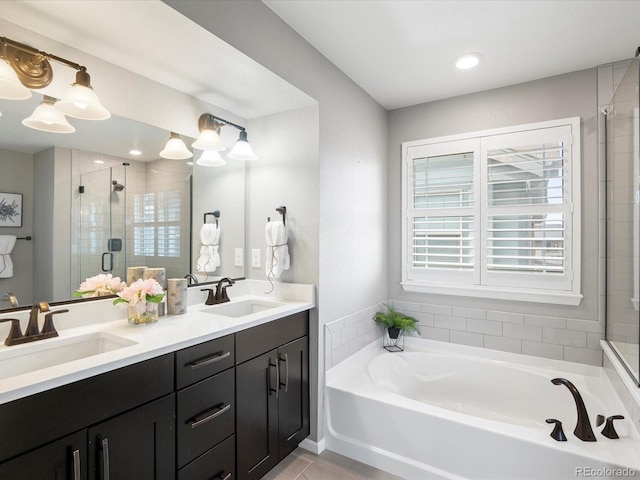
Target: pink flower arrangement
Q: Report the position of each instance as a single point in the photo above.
(99, 286)
(139, 293)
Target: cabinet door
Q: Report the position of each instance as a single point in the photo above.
(64, 459)
(293, 407)
(257, 416)
(136, 445)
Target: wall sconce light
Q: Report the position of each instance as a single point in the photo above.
(175, 149)
(210, 158)
(47, 118)
(209, 140)
(242, 150)
(32, 69)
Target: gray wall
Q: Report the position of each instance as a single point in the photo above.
(20, 181)
(570, 333)
(352, 240)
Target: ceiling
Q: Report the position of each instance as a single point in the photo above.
(402, 52)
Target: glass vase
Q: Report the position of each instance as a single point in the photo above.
(148, 315)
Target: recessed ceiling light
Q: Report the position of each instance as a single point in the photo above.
(98, 162)
(135, 152)
(468, 60)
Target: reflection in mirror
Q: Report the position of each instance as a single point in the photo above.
(92, 207)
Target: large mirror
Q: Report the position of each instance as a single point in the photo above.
(88, 206)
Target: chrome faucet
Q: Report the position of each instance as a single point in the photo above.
(11, 298)
(583, 428)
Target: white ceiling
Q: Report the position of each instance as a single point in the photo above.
(402, 52)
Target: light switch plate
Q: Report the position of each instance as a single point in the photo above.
(255, 258)
(239, 257)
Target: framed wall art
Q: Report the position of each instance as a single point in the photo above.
(10, 209)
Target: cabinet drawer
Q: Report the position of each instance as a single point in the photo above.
(257, 340)
(201, 361)
(217, 463)
(206, 415)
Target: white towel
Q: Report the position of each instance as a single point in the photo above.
(277, 256)
(209, 258)
(7, 243)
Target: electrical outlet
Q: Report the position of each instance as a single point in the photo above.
(255, 258)
(239, 257)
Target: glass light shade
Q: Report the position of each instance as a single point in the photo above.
(210, 158)
(80, 101)
(209, 140)
(242, 150)
(47, 118)
(175, 149)
(10, 86)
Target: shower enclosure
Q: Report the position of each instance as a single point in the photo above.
(102, 223)
(623, 221)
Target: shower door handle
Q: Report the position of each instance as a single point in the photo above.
(110, 269)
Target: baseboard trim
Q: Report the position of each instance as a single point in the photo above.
(312, 446)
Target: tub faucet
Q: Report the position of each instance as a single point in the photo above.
(583, 428)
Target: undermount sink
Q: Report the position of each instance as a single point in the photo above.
(55, 351)
(242, 308)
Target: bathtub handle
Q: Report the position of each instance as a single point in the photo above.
(277, 389)
(557, 433)
(286, 372)
(608, 430)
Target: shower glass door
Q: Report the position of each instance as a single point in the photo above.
(623, 225)
(102, 233)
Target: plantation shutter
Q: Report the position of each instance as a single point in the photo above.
(528, 208)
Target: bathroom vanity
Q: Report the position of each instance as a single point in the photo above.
(198, 396)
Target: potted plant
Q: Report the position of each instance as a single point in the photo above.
(397, 322)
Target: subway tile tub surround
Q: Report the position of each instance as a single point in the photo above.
(557, 338)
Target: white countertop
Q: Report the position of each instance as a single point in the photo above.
(170, 333)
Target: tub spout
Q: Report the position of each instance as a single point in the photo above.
(583, 428)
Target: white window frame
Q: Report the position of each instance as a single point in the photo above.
(480, 282)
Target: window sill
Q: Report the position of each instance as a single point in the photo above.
(496, 293)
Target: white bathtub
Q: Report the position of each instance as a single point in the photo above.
(440, 410)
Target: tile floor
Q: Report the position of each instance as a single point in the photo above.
(304, 465)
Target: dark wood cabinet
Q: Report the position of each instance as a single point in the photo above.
(206, 407)
(235, 405)
(60, 460)
(293, 402)
(257, 416)
(135, 445)
(272, 391)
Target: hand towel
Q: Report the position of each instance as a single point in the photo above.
(7, 243)
(277, 255)
(209, 258)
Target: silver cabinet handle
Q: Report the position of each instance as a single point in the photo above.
(204, 419)
(105, 459)
(76, 465)
(216, 357)
(277, 389)
(226, 477)
(286, 372)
